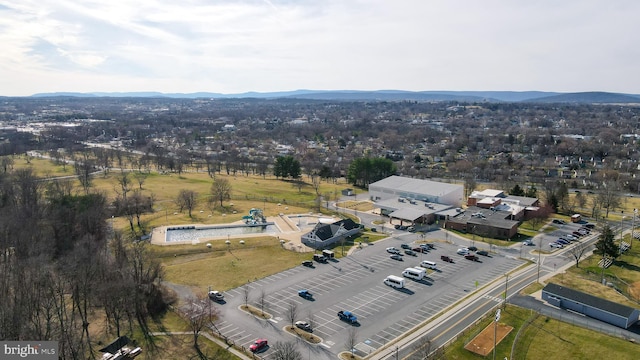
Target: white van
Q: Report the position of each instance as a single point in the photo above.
(428, 264)
(414, 273)
(394, 281)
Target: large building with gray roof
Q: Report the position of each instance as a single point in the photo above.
(416, 201)
(428, 191)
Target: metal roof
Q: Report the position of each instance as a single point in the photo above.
(427, 187)
(589, 300)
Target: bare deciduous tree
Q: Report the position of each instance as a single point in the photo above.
(245, 294)
(285, 351)
(351, 340)
(199, 314)
(220, 190)
(422, 347)
(262, 300)
(292, 312)
(577, 252)
(140, 177)
(187, 199)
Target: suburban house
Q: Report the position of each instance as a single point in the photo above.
(324, 235)
(598, 308)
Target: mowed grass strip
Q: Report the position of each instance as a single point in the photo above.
(550, 339)
(200, 267)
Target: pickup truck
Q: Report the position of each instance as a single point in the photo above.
(305, 294)
(347, 316)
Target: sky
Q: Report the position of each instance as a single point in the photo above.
(230, 47)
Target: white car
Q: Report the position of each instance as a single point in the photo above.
(392, 250)
(556, 245)
(463, 251)
(303, 325)
(216, 295)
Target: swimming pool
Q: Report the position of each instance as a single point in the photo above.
(191, 233)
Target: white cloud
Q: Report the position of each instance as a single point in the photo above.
(234, 46)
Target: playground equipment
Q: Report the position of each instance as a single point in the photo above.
(255, 217)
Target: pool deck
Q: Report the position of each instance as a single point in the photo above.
(288, 230)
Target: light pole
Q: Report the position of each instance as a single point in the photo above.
(539, 255)
(633, 226)
(621, 228)
(473, 234)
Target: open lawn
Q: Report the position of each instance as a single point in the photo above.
(624, 274)
(198, 266)
(543, 338)
(551, 339)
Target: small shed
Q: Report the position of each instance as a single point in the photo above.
(604, 310)
(347, 192)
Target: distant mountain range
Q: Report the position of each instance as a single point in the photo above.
(386, 95)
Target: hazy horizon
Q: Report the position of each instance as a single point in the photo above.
(232, 47)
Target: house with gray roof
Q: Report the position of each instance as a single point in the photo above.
(324, 235)
(598, 308)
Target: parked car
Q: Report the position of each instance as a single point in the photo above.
(577, 234)
(590, 226)
(482, 252)
(305, 294)
(571, 237)
(556, 245)
(403, 227)
(347, 316)
(216, 295)
(396, 257)
(303, 325)
(392, 250)
(405, 246)
(463, 251)
(429, 246)
(472, 248)
(445, 258)
(258, 345)
(307, 263)
(471, 257)
(563, 241)
(419, 249)
(410, 252)
(528, 243)
(411, 229)
(559, 221)
(319, 258)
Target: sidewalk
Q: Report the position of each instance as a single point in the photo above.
(219, 342)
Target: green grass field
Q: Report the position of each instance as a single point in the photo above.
(544, 338)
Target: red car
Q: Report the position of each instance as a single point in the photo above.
(258, 345)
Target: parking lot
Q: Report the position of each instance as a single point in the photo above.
(355, 283)
(546, 239)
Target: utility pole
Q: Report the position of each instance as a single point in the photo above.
(495, 332)
(621, 228)
(506, 286)
(539, 254)
(633, 226)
